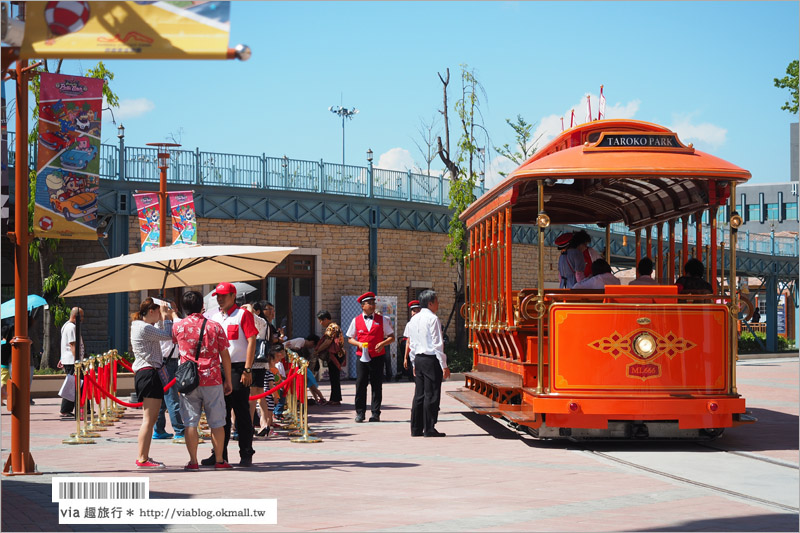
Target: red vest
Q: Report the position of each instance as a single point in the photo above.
(373, 336)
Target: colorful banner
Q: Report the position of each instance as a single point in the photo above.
(5, 204)
(147, 207)
(184, 224)
(126, 30)
(68, 166)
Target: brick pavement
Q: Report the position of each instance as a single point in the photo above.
(374, 477)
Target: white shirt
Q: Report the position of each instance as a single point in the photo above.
(261, 326)
(387, 327)
(67, 337)
(237, 348)
(643, 280)
(296, 344)
(166, 346)
(424, 332)
(597, 282)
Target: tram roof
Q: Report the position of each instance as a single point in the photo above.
(609, 171)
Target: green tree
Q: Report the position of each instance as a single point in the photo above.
(524, 146)
(463, 178)
(42, 250)
(789, 82)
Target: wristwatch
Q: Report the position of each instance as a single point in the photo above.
(248, 370)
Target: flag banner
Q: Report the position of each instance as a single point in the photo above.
(588, 108)
(4, 191)
(147, 208)
(601, 114)
(184, 224)
(126, 30)
(68, 164)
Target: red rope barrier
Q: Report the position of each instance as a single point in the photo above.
(114, 398)
(84, 390)
(125, 364)
(114, 374)
(99, 376)
(283, 384)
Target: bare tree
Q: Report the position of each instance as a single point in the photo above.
(426, 142)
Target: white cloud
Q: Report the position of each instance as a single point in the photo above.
(132, 108)
(550, 126)
(704, 133)
(497, 165)
(396, 159)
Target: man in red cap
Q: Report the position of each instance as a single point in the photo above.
(565, 270)
(370, 332)
(241, 331)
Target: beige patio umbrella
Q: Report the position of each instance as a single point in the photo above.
(174, 266)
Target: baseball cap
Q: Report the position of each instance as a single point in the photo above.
(224, 288)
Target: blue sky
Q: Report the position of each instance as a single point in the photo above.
(705, 69)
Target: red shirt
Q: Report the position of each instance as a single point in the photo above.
(186, 333)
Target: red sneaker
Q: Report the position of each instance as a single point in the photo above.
(193, 467)
(224, 465)
(150, 463)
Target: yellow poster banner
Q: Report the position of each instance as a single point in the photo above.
(126, 30)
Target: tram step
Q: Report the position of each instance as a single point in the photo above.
(477, 402)
(496, 379)
(743, 418)
(520, 417)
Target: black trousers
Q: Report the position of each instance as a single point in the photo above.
(66, 405)
(239, 402)
(336, 381)
(369, 374)
(427, 394)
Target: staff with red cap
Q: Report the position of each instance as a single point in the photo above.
(370, 332)
(240, 328)
(414, 308)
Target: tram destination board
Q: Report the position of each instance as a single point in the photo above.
(648, 141)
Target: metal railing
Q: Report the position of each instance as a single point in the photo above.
(282, 173)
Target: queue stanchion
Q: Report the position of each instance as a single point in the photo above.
(119, 410)
(81, 436)
(306, 435)
(291, 397)
(105, 417)
(94, 424)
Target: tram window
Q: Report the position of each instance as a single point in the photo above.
(592, 137)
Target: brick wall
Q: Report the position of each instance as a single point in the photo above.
(405, 258)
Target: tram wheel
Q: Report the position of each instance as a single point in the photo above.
(712, 433)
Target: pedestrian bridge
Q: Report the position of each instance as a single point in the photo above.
(260, 187)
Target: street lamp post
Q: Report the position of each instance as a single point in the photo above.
(344, 113)
(121, 137)
(163, 165)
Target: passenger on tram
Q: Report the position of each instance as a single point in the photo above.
(645, 271)
(692, 281)
(601, 276)
(580, 247)
(565, 271)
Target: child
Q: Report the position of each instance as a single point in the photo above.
(269, 383)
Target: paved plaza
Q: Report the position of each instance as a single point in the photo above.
(483, 476)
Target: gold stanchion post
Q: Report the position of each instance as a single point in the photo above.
(306, 436)
(81, 436)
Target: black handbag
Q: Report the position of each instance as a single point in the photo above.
(186, 377)
(261, 351)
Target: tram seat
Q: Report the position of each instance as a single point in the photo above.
(617, 293)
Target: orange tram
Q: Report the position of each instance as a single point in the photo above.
(623, 362)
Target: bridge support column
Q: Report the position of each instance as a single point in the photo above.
(118, 302)
(771, 289)
(374, 222)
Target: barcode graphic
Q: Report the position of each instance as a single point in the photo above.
(94, 489)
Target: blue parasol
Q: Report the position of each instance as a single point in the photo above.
(34, 301)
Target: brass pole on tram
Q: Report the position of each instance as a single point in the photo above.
(608, 244)
(542, 221)
(735, 222)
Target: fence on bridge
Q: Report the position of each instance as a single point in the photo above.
(134, 163)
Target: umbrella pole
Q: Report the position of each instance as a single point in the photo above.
(20, 461)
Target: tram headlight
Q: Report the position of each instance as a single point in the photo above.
(543, 220)
(644, 345)
(736, 220)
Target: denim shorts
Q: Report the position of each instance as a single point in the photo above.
(211, 399)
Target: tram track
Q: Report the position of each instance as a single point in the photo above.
(714, 487)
